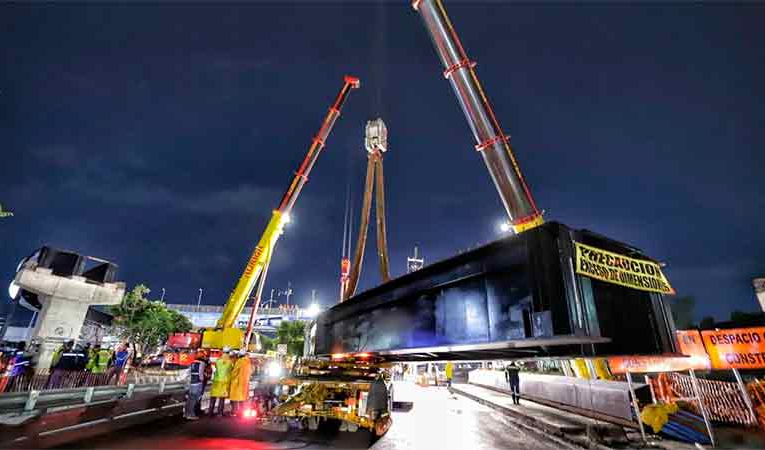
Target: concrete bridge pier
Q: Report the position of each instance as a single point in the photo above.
(65, 301)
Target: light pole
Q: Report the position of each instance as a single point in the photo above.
(199, 299)
(162, 298)
(288, 292)
(29, 328)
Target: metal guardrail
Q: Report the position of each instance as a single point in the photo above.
(38, 419)
(63, 398)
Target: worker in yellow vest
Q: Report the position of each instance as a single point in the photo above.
(449, 373)
(220, 383)
(240, 382)
(99, 361)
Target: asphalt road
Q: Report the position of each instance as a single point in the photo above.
(436, 420)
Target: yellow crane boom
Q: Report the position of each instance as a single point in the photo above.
(225, 332)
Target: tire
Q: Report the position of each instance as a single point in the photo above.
(329, 426)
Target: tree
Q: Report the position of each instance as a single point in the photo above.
(267, 343)
(178, 322)
(145, 323)
(747, 319)
(707, 323)
(292, 334)
(682, 311)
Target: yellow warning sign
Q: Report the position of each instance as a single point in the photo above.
(619, 269)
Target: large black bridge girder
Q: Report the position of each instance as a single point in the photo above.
(517, 297)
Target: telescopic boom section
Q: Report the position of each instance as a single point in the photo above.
(280, 217)
(493, 144)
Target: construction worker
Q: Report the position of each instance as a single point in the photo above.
(90, 353)
(118, 362)
(99, 362)
(514, 380)
(377, 400)
(196, 388)
(240, 382)
(220, 382)
(234, 355)
(71, 362)
(203, 356)
(58, 352)
(19, 365)
(56, 372)
(449, 374)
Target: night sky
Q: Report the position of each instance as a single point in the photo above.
(160, 137)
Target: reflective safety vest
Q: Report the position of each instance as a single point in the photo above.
(222, 377)
(100, 361)
(239, 390)
(56, 356)
(71, 360)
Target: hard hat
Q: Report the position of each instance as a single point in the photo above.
(242, 352)
(226, 349)
(233, 352)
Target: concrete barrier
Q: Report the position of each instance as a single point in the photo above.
(601, 397)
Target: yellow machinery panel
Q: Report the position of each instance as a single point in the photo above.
(227, 337)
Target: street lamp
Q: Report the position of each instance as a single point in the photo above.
(313, 310)
(199, 299)
(274, 369)
(13, 290)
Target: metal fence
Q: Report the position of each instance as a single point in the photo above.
(60, 380)
(756, 390)
(723, 399)
(44, 381)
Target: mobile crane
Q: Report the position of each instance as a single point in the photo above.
(321, 389)
(226, 334)
(492, 143)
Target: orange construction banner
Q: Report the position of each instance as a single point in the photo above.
(655, 364)
(691, 344)
(740, 348)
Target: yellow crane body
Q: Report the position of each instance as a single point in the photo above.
(226, 333)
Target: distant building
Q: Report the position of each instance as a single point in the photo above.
(267, 319)
(759, 290)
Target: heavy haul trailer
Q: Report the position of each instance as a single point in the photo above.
(516, 297)
(338, 388)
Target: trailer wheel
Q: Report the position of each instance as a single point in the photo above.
(329, 426)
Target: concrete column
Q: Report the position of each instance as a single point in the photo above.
(65, 302)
